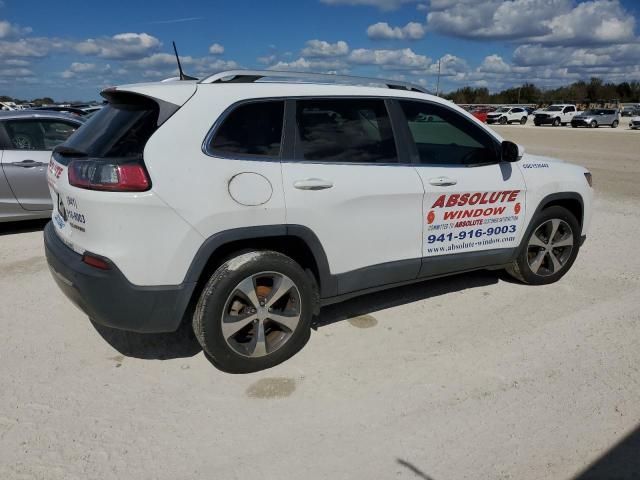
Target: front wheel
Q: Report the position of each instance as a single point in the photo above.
(593, 124)
(503, 120)
(255, 312)
(556, 122)
(550, 249)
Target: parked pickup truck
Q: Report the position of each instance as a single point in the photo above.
(555, 115)
(595, 118)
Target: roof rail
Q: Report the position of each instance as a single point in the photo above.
(251, 76)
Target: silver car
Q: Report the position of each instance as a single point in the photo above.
(595, 118)
(26, 141)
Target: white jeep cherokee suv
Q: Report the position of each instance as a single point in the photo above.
(244, 205)
(504, 115)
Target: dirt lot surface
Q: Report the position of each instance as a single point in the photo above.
(472, 377)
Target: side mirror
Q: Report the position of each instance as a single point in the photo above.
(510, 152)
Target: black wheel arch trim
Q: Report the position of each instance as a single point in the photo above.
(551, 198)
(328, 282)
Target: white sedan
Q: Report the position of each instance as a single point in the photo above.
(634, 124)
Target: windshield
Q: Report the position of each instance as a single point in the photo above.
(117, 130)
(554, 109)
(503, 109)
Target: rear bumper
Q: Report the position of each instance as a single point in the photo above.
(108, 298)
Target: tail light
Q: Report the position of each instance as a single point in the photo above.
(95, 261)
(108, 176)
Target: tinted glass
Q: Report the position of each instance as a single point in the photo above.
(38, 134)
(443, 136)
(345, 130)
(117, 130)
(251, 129)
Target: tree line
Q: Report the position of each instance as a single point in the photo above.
(593, 91)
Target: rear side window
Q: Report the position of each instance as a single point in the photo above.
(344, 130)
(119, 130)
(253, 129)
(38, 134)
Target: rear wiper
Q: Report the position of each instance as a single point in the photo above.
(69, 151)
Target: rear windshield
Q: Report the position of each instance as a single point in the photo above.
(117, 130)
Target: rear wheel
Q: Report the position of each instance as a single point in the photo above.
(556, 122)
(255, 312)
(615, 124)
(550, 249)
(523, 120)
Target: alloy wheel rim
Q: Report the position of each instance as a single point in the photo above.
(550, 247)
(261, 314)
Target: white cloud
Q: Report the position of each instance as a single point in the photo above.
(494, 64)
(381, 4)
(383, 31)
(561, 22)
(9, 30)
(29, 47)
(120, 46)
(399, 59)
(216, 49)
(321, 48)
(310, 65)
(15, 72)
(14, 62)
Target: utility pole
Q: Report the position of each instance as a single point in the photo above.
(438, 84)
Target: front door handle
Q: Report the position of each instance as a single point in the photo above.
(313, 184)
(28, 164)
(442, 181)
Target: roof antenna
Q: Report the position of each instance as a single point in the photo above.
(182, 74)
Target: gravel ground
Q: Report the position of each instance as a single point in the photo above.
(472, 376)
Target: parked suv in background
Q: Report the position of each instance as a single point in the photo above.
(597, 117)
(504, 115)
(555, 115)
(26, 141)
(244, 205)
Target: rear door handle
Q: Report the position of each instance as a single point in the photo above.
(442, 181)
(313, 184)
(28, 164)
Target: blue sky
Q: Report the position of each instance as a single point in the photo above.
(72, 49)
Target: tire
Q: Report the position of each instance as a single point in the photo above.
(537, 124)
(257, 341)
(593, 124)
(615, 124)
(523, 120)
(503, 120)
(556, 122)
(573, 125)
(538, 262)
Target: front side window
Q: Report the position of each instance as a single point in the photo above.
(253, 129)
(442, 136)
(38, 134)
(344, 130)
